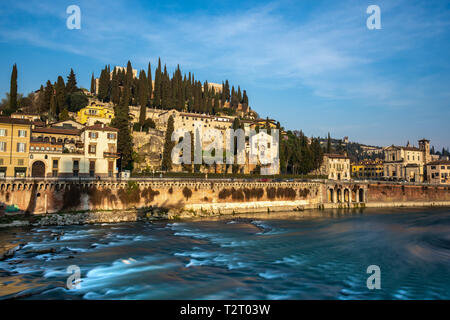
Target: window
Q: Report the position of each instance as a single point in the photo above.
(111, 136)
(20, 162)
(22, 133)
(442, 167)
(2, 146)
(76, 169)
(93, 135)
(91, 168)
(1, 162)
(55, 164)
(3, 132)
(92, 148)
(20, 172)
(21, 147)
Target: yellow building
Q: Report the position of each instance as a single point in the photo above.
(93, 113)
(368, 169)
(438, 172)
(14, 146)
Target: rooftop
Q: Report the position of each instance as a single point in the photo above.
(100, 127)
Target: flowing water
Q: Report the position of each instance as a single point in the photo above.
(310, 255)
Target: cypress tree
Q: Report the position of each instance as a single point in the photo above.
(143, 96)
(157, 89)
(227, 91)
(48, 94)
(168, 146)
(103, 85)
(71, 82)
(13, 90)
(53, 108)
(61, 96)
(121, 122)
(129, 74)
(245, 98)
(329, 143)
(115, 89)
(93, 84)
(41, 100)
(150, 83)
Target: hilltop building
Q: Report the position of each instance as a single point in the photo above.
(94, 113)
(407, 163)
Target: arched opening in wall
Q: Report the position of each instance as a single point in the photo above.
(361, 195)
(339, 195)
(330, 195)
(38, 169)
(346, 195)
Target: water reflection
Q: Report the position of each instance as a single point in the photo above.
(294, 255)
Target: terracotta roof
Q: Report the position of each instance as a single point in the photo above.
(10, 120)
(52, 130)
(100, 127)
(39, 123)
(25, 114)
(404, 148)
(439, 162)
(70, 120)
(332, 155)
(410, 148)
(193, 115)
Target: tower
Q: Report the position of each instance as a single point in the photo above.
(424, 146)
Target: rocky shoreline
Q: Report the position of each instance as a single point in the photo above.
(88, 217)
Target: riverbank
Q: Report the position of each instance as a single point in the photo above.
(225, 210)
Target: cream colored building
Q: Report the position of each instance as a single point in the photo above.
(94, 154)
(438, 172)
(335, 166)
(406, 163)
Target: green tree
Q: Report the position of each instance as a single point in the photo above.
(150, 83)
(61, 96)
(48, 94)
(71, 86)
(93, 84)
(103, 85)
(143, 96)
(168, 146)
(328, 143)
(121, 121)
(115, 89)
(77, 101)
(53, 114)
(13, 90)
(64, 115)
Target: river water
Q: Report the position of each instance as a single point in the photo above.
(309, 255)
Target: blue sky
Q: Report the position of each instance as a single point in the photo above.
(312, 65)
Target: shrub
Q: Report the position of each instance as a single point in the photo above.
(187, 193)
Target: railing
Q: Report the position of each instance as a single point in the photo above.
(111, 154)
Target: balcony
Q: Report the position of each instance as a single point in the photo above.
(114, 155)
